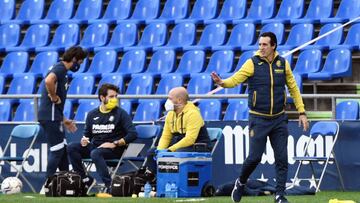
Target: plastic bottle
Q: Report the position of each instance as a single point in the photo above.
(340, 201)
(147, 190)
(168, 190)
(174, 190)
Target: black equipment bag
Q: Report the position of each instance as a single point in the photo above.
(64, 183)
(122, 186)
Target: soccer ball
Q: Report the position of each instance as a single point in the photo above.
(11, 185)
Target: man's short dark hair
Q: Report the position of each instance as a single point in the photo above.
(77, 52)
(272, 36)
(105, 87)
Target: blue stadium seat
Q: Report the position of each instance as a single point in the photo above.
(154, 35)
(81, 84)
(86, 11)
(347, 110)
(299, 34)
(2, 84)
(332, 39)
(235, 90)
(95, 35)
(201, 11)
(36, 36)
(167, 82)
(66, 35)
(5, 110)
(42, 63)
(124, 35)
(22, 83)
(318, 9)
(277, 28)
(148, 110)
(259, 10)
(309, 61)
(144, 10)
(25, 111)
(231, 10)
(210, 109)
(29, 10)
(7, 10)
(200, 83)
(115, 10)
(83, 67)
(243, 57)
(289, 58)
(140, 84)
(242, 34)
(338, 64)
(212, 35)
(14, 62)
(191, 62)
(58, 10)
(126, 105)
(132, 62)
(68, 109)
(103, 62)
(221, 62)
(289, 9)
(162, 62)
(10, 35)
(183, 34)
(173, 10)
(352, 40)
(348, 9)
(298, 80)
(85, 106)
(112, 78)
(237, 109)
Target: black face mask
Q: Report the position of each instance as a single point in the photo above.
(75, 67)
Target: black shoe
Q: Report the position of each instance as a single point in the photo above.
(238, 191)
(107, 190)
(88, 182)
(281, 199)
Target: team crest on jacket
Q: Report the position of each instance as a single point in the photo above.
(278, 63)
(111, 119)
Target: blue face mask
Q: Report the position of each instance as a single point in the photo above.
(75, 67)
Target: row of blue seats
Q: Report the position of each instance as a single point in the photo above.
(338, 64)
(232, 11)
(183, 37)
(151, 110)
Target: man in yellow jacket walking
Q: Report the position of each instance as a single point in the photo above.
(266, 73)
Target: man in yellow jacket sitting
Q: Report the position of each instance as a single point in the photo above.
(183, 127)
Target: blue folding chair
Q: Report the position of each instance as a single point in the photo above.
(103, 62)
(10, 35)
(36, 36)
(348, 10)
(43, 62)
(124, 35)
(144, 10)
(259, 10)
(173, 10)
(58, 10)
(320, 129)
(338, 64)
(95, 35)
(347, 110)
(154, 35)
(87, 10)
(182, 35)
(7, 10)
(289, 9)
(132, 62)
(191, 62)
(201, 11)
(210, 109)
(231, 10)
(29, 10)
(221, 62)
(147, 110)
(162, 62)
(66, 36)
(309, 61)
(318, 9)
(115, 10)
(237, 109)
(212, 35)
(215, 135)
(24, 133)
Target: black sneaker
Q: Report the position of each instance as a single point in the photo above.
(238, 191)
(281, 199)
(88, 182)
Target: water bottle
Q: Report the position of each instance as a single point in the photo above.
(168, 190)
(147, 190)
(174, 190)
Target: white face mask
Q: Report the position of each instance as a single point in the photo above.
(169, 105)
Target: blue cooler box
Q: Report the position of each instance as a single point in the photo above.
(190, 171)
